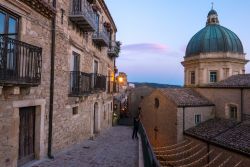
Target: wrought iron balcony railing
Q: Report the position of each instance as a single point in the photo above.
(85, 83)
(20, 63)
(114, 49)
(99, 82)
(101, 37)
(83, 15)
(80, 83)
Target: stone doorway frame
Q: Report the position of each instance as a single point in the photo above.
(39, 105)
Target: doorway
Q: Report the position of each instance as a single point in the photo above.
(95, 118)
(26, 151)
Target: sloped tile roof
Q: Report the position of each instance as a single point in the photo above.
(211, 128)
(185, 97)
(236, 138)
(226, 133)
(235, 81)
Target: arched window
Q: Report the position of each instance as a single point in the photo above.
(157, 103)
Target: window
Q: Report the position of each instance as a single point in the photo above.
(225, 72)
(95, 67)
(213, 76)
(233, 112)
(8, 24)
(9, 28)
(75, 110)
(197, 118)
(76, 61)
(192, 77)
(157, 103)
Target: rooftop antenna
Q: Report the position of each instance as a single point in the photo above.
(212, 5)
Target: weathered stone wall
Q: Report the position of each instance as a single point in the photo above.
(164, 118)
(222, 98)
(74, 128)
(135, 97)
(206, 112)
(68, 128)
(246, 102)
(34, 29)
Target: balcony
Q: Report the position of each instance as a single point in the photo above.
(99, 82)
(101, 38)
(83, 15)
(114, 49)
(20, 63)
(82, 84)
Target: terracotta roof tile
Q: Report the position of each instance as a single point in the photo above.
(184, 97)
(235, 81)
(227, 133)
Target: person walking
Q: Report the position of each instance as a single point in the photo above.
(136, 127)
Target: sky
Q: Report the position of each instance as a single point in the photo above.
(155, 33)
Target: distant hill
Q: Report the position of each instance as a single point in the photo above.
(155, 85)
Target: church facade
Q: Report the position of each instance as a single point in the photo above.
(206, 122)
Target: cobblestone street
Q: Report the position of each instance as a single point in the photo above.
(112, 148)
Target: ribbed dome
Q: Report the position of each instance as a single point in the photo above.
(214, 38)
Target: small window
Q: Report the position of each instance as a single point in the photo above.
(213, 76)
(192, 77)
(233, 112)
(157, 103)
(197, 119)
(75, 110)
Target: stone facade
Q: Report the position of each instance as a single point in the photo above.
(135, 97)
(224, 64)
(74, 118)
(224, 97)
(164, 125)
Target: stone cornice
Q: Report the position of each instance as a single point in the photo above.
(42, 7)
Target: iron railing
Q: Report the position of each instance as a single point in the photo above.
(99, 82)
(20, 63)
(101, 37)
(82, 14)
(85, 83)
(149, 156)
(113, 50)
(80, 83)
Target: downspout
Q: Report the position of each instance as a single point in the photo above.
(241, 104)
(52, 76)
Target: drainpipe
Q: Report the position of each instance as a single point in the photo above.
(241, 103)
(52, 76)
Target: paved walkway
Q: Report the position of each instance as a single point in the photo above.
(112, 148)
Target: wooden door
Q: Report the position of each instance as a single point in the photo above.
(26, 135)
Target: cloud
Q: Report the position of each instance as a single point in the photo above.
(145, 48)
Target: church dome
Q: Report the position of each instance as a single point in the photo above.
(214, 38)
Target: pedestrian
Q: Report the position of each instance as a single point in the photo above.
(136, 127)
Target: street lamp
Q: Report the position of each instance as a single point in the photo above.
(120, 80)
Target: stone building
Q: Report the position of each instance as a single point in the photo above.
(185, 130)
(135, 97)
(57, 66)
